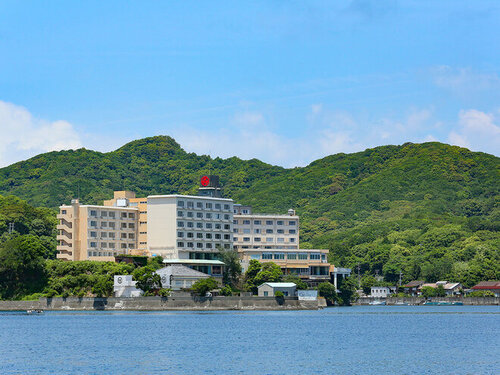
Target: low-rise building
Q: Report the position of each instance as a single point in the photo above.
(124, 286)
(213, 268)
(412, 287)
(178, 276)
(382, 291)
(270, 289)
(492, 286)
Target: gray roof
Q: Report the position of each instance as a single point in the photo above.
(280, 285)
(180, 270)
(192, 261)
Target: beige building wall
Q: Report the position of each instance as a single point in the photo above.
(255, 231)
(89, 232)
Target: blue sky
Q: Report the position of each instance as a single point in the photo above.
(283, 81)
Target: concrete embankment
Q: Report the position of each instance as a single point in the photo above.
(162, 303)
(420, 300)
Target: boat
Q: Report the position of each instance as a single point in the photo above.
(34, 312)
(401, 304)
(377, 303)
(443, 303)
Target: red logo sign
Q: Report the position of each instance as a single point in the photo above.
(205, 181)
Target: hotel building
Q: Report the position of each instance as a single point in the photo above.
(89, 232)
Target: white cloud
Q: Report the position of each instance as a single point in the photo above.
(476, 130)
(462, 81)
(24, 136)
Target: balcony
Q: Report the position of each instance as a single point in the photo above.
(64, 248)
(65, 236)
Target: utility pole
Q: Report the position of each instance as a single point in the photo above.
(359, 278)
(400, 275)
(11, 227)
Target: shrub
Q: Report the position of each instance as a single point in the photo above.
(481, 293)
(202, 286)
(279, 294)
(164, 292)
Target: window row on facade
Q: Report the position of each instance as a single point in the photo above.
(103, 253)
(93, 234)
(111, 225)
(265, 231)
(289, 256)
(111, 245)
(200, 235)
(110, 214)
(201, 215)
(201, 245)
(267, 239)
(265, 222)
(199, 225)
(204, 205)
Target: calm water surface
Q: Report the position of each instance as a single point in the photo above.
(350, 340)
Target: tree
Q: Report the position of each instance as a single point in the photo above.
(258, 273)
(328, 291)
(232, 267)
(147, 280)
(103, 287)
(301, 284)
(367, 282)
(22, 267)
(428, 291)
(440, 292)
(347, 290)
(202, 286)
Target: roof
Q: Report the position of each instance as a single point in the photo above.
(487, 285)
(280, 285)
(413, 284)
(189, 197)
(180, 270)
(193, 261)
(450, 285)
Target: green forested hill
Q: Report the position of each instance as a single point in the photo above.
(430, 210)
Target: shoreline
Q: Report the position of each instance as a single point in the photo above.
(420, 301)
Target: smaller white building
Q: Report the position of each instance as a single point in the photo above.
(270, 289)
(382, 291)
(124, 286)
(178, 276)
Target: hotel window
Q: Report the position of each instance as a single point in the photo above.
(199, 215)
(131, 225)
(180, 213)
(112, 215)
(123, 246)
(104, 213)
(208, 245)
(226, 217)
(227, 246)
(93, 223)
(218, 216)
(217, 236)
(269, 222)
(199, 235)
(93, 234)
(218, 226)
(180, 224)
(235, 230)
(199, 225)
(199, 205)
(131, 215)
(257, 239)
(124, 215)
(208, 215)
(199, 245)
(111, 245)
(256, 222)
(280, 231)
(245, 211)
(124, 235)
(235, 221)
(180, 203)
(208, 205)
(104, 234)
(131, 245)
(227, 226)
(279, 222)
(208, 236)
(104, 224)
(190, 244)
(292, 239)
(246, 231)
(190, 224)
(269, 239)
(93, 213)
(315, 256)
(302, 256)
(279, 256)
(269, 231)
(292, 222)
(104, 245)
(227, 237)
(190, 235)
(208, 225)
(292, 231)
(63, 212)
(255, 256)
(217, 206)
(180, 244)
(111, 225)
(235, 239)
(190, 214)
(190, 205)
(246, 222)
(111, 235)
(93, 244)
(180, 234)
(291, 256)
(256, 231)
(280, 239)
(143, 222)
(267, 256)
(226, 207)
(124, 225)
(246, 239)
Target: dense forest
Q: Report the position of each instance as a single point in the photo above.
(430, 211)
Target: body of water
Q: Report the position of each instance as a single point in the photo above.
(347, 340)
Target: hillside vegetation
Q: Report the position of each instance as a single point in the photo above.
(428, 210)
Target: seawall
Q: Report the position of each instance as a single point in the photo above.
(421, 300)
(161, 303)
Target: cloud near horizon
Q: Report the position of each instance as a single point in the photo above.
(24, 136)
